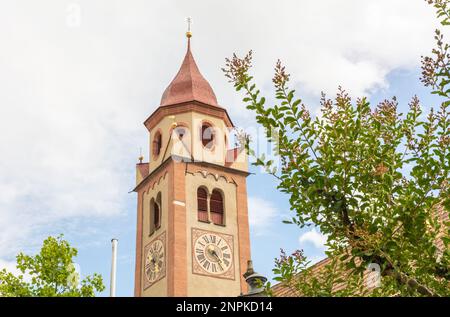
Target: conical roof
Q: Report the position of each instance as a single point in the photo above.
(188, 85)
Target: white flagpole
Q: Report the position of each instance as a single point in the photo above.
(112, 292)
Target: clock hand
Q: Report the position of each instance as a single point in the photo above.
(219, 261)
(156, 265)
(217, 257)
(214, 253)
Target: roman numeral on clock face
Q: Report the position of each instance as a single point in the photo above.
(212, 253)
(151, 275)
(201, 258)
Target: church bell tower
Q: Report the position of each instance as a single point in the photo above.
(192, 221)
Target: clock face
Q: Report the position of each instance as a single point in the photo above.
(155, 260)
(213, 254)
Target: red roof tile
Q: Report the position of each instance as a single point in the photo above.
(188, 85)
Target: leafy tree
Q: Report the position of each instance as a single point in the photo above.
(374, 181)
(50, 273)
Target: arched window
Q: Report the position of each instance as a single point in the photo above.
(156, 217)
(216, 207)
(207, 135)
(152, 216)
(180, 132)
(157, 144)
(202, 204)
(155, 214)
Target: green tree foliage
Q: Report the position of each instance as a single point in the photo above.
(372, 180)
(49, 273)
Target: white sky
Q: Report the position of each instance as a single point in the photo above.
(73, 98)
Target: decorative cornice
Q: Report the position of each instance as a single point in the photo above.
(198, 163)
(156, 182)
(216, 176)
(194, 106)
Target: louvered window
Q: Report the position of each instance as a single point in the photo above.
(216, 207)
(202, 202)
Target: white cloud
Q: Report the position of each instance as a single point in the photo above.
(9, 266)
(314, 237)
(73, 99)
(262, 214)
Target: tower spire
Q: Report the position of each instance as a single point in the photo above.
(188, 84)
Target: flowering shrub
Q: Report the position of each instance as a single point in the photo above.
(373, 180)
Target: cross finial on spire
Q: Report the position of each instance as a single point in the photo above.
(189, 22)
(141, 157)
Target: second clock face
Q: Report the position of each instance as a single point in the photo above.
(155, 262)
(213, 253)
